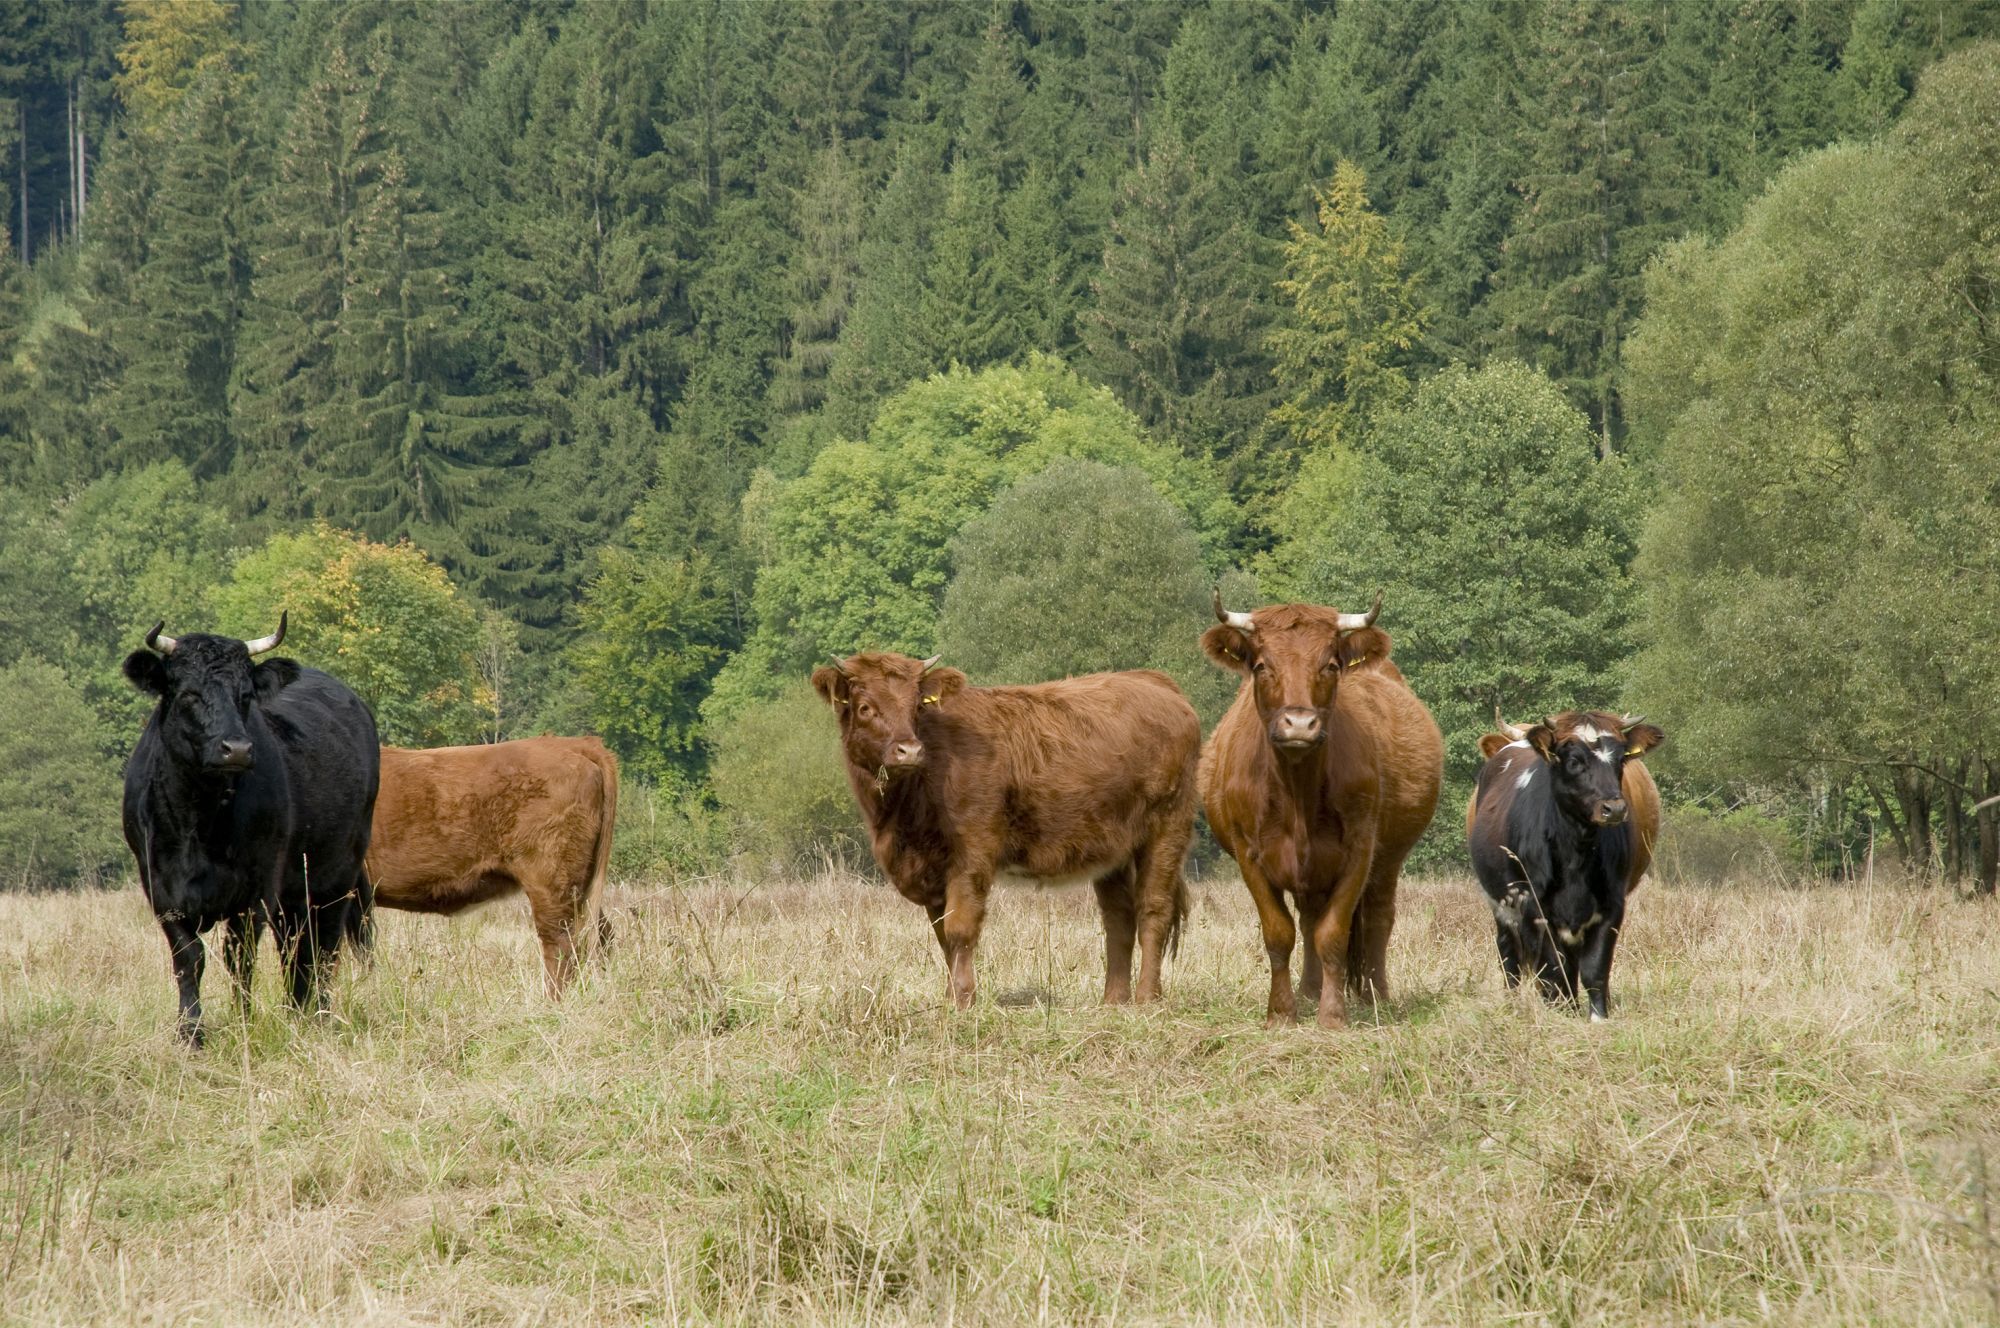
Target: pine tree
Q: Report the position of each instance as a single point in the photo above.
(826, 222)
(883, 345)
(960, 312)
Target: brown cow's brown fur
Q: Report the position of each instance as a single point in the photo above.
(1087, 776)
(1330, 825)
(457, 826)
(1642, 795)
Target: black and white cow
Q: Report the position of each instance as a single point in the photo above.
(248, 799)
(1557, 846)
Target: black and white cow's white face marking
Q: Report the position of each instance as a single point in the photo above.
(1585, 756)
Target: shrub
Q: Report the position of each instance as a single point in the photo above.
(59, 794)
(779, 774)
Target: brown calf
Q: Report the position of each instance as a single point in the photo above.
(1090, 777)
(457, 826)
(1319, 781)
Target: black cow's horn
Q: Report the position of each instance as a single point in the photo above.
(271, 642)
(839, 665)
(164, 644)
(930, 663)
(1242, 622)
(1353, 622)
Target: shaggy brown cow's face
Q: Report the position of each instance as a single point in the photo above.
(1294, 656)
(1586, 753)
(880, 699)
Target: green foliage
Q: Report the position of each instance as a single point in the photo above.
(1498, 539)
(666, 831)
(780, 776)
(1823, 563)
(384, 619)
(654, 633)
(1078, 568)
(171, 45)
(58, 789)
(858, 545)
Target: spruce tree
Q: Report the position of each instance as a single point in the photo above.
(826, 232)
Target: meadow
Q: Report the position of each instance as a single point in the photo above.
(759, 1109)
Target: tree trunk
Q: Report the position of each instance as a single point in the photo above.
(1888, 817)
(1989, 833)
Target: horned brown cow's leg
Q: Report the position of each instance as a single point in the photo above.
(1332, 934)
(1275, 919)
(1115, 902)
(964, 916)
(1368, 949)
(1312, 975)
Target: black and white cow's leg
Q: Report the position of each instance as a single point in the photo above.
(184, 943)
(1509, 942)
(1594, 964)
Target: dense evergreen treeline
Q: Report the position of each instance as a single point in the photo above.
(615, 310)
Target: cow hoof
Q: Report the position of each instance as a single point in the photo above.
(1331, 1018)
(1597, 1018)
(1280, 1019)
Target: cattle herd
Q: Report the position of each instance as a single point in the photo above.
(258, 794)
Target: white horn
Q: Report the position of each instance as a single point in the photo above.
(930, 664)
(1514, 731)
(1353, 622)
(155, 641)
(271, 642)
(1240, 621)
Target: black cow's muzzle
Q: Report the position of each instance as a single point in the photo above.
(230, 758)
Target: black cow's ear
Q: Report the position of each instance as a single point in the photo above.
(146, 671)
(273, 676)
(831, 686)
(1363, 644)
(1543, 739)
(1642, 738)
(939, 686)
(1228, 647)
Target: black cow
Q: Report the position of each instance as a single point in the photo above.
(248, 799)
(1554, 845)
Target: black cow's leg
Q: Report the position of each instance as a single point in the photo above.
(318, 942)
(184, 943)
(1595, 965)
(240, 953)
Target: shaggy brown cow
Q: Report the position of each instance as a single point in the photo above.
(1318, 782)
(1553, 842)
(457, 826)
(1090, 777)
(1642, 798)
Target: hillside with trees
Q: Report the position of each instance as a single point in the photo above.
(601, 366)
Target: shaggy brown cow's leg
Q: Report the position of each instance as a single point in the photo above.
(964, 916)
(1115, 903)
(1279, 932)
(1332, 934)
(1161, 896)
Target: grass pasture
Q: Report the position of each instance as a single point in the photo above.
(759, 1110)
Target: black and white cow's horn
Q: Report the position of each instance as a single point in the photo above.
(1240, 621)
(930, 664)
(1627, 721)
(271, 642)
(1514, 731)
(839, 665)
(164, 644)
(1354, 622)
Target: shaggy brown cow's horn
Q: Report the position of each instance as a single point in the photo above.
(271, 642)
(1514, 731)
(164, 644)
(1354, 622)
(930, 663)
(839, 665)
(1240, 621)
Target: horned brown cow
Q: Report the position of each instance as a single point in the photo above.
(1090, 777)
(457, 826)
(1642, 798)
(1319, 781)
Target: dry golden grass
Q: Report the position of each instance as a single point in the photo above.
(760, 1109)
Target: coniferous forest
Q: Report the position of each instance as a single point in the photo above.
(601, 367)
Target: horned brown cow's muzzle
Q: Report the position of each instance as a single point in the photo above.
(1297, 729)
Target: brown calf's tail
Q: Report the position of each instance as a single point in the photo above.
(594, 924)
(1179, 919)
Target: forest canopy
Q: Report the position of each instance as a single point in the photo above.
(600, 366)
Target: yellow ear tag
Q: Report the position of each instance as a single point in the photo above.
(1357, 661)
(933, 700)
(1633, 751)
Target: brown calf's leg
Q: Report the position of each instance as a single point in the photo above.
(964, 917)
(556, 927)
(1115, 903)
(1275, 920)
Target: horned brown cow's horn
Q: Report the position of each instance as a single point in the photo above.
(839, 665)
(155, 641)
(1354, 622)
(1240, 621)
(271, 642)
(1514, 731)
(930, 664)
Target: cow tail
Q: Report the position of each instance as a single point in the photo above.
(357, 922)
(1179, 919)
(597, 927)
